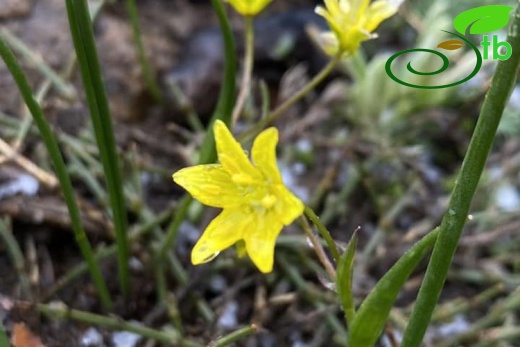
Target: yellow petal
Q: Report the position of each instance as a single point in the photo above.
(223, 231)
(210, 184)
(329, 17)
(333, 7)
(290, 207)
(231, 155)
(260, 241)
(249, 7)
(377, 12)
(264, 155)
(358, 7)
(329, 42)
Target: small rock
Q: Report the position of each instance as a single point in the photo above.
(125, 339)
(92, 338)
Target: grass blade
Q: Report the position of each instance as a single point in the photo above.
(61, 172)
(146, 70)
(83, 38)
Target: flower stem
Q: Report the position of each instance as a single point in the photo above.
(465, 186)
(235, 336)
(168, 337)
(324, 233)
(318, 248)
(245, 86)
(294, 99)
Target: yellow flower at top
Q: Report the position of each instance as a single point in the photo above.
(256, 204)
(352, 22)
(249, 7)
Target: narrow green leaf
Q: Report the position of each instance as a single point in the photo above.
(371, 317)
(344, 274)
(86, 52)
(482, 19)
(61, 173)
(146, 69)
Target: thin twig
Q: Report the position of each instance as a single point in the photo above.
(42, 175)
(245, 86)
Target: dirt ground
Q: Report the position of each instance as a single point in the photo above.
(391, 180)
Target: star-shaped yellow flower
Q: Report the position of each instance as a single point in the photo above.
(256, 204)
(352, 22)
(249, 7)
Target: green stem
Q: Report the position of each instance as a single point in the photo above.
(143, 60)
(245, 85)
(466, 184)
(83, 37)
(324, 233)
(294, 99)
(320, 252)
(170, 337)
(305, 90)
(61, 173)
(235, 336)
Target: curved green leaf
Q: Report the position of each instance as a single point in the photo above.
(483, 19)
(371, 317)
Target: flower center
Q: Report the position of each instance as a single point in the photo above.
(258, 195)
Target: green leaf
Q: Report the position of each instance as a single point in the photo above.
(483, 19)
(344, 273)
(370, 320)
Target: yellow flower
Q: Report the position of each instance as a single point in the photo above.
(249, 7)
(352, 22)
(256, 204)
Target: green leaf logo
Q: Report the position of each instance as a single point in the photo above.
(483, 19)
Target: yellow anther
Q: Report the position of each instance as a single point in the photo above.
(268, 201)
